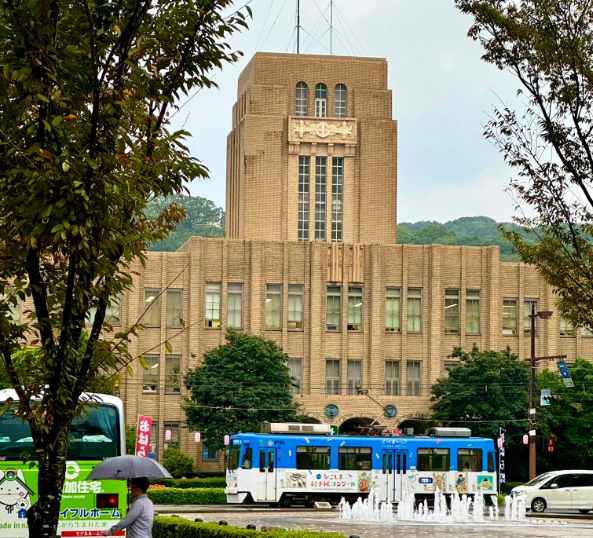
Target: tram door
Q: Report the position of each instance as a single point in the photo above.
(393, 477)
(266, 478)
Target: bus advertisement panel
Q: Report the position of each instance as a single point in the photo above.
(87, 505)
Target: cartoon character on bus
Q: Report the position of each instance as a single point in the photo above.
(14, 492)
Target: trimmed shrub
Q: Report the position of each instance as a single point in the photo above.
(177, 463)
(211, 482)
(187, 496)
(169, 527)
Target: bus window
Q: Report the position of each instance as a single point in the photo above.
(433, 459)
(469, 460)
(312, 457)
(247, 462)
(94, 435)
(490, 462)
(354, 459)
(232, 460)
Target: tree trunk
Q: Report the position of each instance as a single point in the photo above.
(44, 514)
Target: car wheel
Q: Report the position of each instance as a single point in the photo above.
(584, 511)
(538, 505)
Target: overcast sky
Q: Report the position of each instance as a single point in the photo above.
(442, 96)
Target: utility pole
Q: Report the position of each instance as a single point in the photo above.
(533, 360)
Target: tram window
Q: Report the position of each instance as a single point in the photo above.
(469, 460)
(355, 459)
(233, 457)
(312, 457)
(433, 459)
(247, 459)
(490, 462)
(262, 461)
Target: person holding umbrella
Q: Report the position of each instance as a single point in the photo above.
(140, 516)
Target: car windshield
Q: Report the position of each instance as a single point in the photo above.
(94, 435)
(539, 479)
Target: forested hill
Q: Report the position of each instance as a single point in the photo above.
(206, 219)
(471, 231)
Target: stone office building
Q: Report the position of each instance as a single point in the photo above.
(311, 261)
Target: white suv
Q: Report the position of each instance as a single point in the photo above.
(558, 490)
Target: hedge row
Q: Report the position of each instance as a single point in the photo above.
(212, 482)
(508, 486)
(176, 527)
(187, 496)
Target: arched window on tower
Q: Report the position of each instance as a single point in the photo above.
(320, 100)
(340, 101)
(302, 95)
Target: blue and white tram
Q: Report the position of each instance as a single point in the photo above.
(307, 463)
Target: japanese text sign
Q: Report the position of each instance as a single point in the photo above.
(143, 439)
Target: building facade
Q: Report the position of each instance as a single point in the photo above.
(311, 261)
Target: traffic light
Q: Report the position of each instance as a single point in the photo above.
(550, 445)
(545, 397)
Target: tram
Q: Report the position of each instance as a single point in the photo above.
(304, 463)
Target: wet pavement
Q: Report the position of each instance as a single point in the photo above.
(329, 521)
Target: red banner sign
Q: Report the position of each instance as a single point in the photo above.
(143, 438)
(84, 534)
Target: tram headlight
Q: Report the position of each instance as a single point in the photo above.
(228, 484)
(234, 484)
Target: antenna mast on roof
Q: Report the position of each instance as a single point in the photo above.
(298, 26)
(331, 25)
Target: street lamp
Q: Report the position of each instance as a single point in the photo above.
(544, 314)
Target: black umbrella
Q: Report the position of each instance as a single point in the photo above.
(126, 467)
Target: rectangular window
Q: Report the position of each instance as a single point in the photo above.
(213, 305)
(490, 462)
(452, 311)
(320, 107)
(151, 376)
(320, 196)
(414, 379)
(302, 94)
(333, 376)
(340, 101)
(274, 307)
(313, 457)
(355, 459)
(337, 197)
(566, 327)
(393, 310)
(209, 454)
(472, 312)
(527, 316)
(334, 308)
(586, 332)
(304, 197)
(112, 312)
(433, 459)
(414, 310)
(152, 304)
(354, 375)
(235, 306)
(469, 460)
(450, 365)
(172, 374)
(172, 435)
(295, 370)
(295, 307)
(392, 378)
(509, 317)
(174, 308)
(355, 309)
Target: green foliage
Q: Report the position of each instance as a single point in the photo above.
(548, 46)
(568, 419)
(486, 391)
(187, 496)
(86, 95)
(175, 527)
(239, 385)
(209, 482)
(468, 231)
(131, 436)
(177, 463)
(202, 218)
